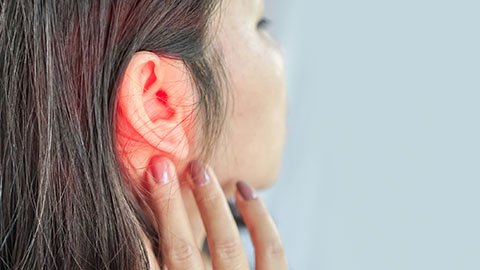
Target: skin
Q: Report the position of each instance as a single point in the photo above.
(222, 234)
(256, 130)
(256, 72)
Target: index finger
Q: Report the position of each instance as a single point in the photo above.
(222, 233)
(177, 241)
(269, 251)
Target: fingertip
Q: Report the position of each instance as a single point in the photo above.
(200, 173)
(161, 170)
(246, 191)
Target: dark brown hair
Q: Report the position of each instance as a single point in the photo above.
(64, 199)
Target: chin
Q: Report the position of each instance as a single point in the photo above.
(270, 181)
(269, 178)
(272, 171)
(260, 181)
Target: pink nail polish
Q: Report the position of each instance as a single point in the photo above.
(199, 173)
(161, 171)
(247, 192)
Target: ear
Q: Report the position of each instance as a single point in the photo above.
(153, 98)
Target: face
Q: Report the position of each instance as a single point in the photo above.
(256, 128)
(256, 124)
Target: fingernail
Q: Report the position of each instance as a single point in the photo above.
(199, 173)
(161, 171)
(247, 192)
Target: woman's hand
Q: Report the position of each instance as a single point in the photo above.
(177, 241)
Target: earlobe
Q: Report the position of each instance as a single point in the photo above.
(152, 103)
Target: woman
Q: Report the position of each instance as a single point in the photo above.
(109, 112)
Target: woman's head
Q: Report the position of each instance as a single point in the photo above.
(92, 89)
(238, 118)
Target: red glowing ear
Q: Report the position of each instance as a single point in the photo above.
(150, 98)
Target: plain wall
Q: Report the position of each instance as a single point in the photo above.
(382, 164)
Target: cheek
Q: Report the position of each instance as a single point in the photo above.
(261, 95)
(258, 121)
(255, 132)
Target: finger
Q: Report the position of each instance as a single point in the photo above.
(269, 252)
(176, 238)
(223, 237)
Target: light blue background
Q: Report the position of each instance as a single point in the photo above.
(382, 164)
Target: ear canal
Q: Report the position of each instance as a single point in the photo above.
(162, 97)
